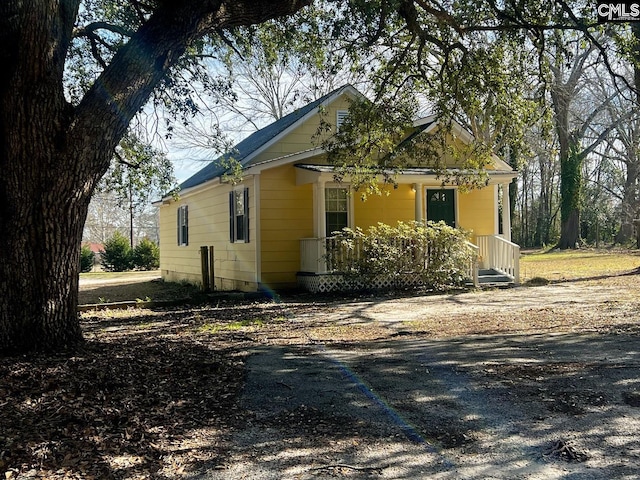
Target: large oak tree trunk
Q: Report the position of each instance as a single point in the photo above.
(42, 202)
(39, 261)
(52, 154)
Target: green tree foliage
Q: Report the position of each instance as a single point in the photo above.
(98, 63)
(117, 255)
(146, 255)
(138, 173)
(472, 62)
(86, 259)
(75, 74)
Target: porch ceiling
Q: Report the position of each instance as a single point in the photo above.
(308, 173)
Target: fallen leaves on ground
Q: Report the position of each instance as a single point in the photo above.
(153, 394)
(127, 405)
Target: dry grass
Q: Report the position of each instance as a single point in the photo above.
(557, 266)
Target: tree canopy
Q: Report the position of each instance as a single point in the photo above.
(76, 73)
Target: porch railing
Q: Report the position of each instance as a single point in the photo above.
(312, 255)
(499, 254)
(492, 252)
(314, 258)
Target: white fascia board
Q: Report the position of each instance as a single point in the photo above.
(458, 129)
(424, 120)
(310, 176)
(214, 182)
(431, 179)
(284, 160)
(304, 177)
(502, 166)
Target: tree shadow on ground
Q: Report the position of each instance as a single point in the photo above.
(507, 407)
(162, 394)
(120, 406)
(119, 292)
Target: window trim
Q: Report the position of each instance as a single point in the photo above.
(349, 210)
(233, 216)
(183, 225)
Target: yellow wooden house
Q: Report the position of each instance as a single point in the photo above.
(268, 231)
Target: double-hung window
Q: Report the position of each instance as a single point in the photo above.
(239, 216)
(183, 225)
(336, 205)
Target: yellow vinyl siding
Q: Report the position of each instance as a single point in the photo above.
(398, 205)
(301, 138)
(476, 211)
(286, 214)
(476, 208)
(235, 264)
(286, 211)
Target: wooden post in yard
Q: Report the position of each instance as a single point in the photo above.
(204, 267)
(212, 269)
(636, 223)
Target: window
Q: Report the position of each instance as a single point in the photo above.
(239, 216)
(341, 116)
(183, 225)
(336, 204)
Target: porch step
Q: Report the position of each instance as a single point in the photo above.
(493, 278)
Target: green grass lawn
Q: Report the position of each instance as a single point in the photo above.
(107, 287)
(558, 265)
(554, 266)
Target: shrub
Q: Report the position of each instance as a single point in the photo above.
(117, 254)
(86, 259)
(146, 255)
(435, 254)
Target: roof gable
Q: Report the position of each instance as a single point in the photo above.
(248, 148)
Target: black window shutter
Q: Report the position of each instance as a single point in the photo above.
(186, 225)
(232, 233)
(246, 215)
(179, 215)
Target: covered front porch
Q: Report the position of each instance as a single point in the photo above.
(420, 196)
(494, 262)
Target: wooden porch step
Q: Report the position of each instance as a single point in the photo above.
(493, 278)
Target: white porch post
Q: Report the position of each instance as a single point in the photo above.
(506, 212)
(319, 225)
(320, 220)
(419, 211)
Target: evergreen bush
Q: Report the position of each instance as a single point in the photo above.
(146, 255)
(117, 255)
(86, 259)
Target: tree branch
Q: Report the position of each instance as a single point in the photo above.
(92, 28)
(137, 68)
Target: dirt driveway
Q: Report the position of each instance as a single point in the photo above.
(527, 383)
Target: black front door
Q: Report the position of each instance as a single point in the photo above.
(441, 206)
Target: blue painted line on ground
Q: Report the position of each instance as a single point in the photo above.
(409, 432)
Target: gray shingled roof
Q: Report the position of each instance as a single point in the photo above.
(243, 150)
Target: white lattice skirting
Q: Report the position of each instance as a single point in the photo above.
(332, 282)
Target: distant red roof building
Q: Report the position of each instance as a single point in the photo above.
(95, 247)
